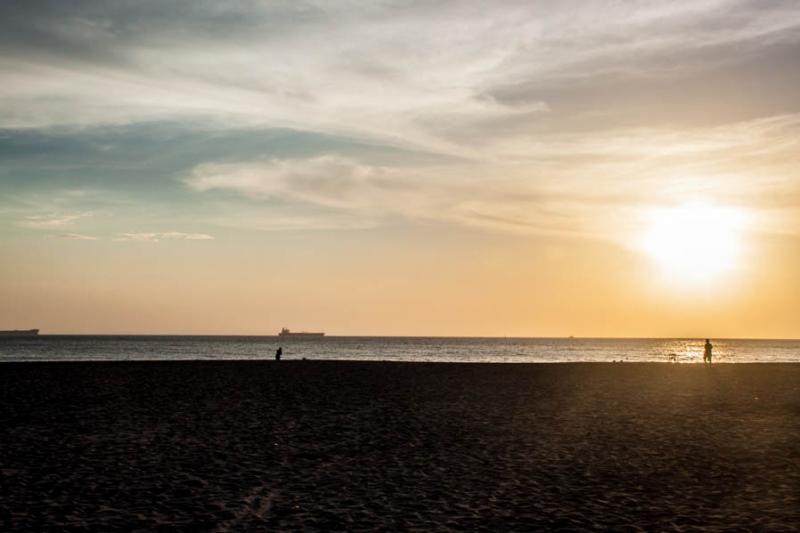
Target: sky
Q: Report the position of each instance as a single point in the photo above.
(516, 168)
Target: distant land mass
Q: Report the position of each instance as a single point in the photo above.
(19, 333)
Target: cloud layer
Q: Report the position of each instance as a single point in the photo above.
(546, 117)
(422, 74)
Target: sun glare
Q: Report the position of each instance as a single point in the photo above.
(694, 241)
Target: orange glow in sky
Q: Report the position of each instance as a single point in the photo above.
(504, 169)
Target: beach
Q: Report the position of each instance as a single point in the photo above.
(360, 446)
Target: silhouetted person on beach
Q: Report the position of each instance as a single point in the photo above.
(707, 351)
(278, 353)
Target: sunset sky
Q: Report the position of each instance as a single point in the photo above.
(595, 168)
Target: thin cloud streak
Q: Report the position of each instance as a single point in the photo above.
(52, 220)
(77, 237)
(158, 237)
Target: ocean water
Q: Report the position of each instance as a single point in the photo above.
(458, 350)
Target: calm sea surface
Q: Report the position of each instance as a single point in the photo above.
(489, 350)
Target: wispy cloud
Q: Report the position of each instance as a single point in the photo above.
(52, 220)
(566, 184)
(327, 180)
(77, 237)
(156, 237)
(470, 71)
(344, 193)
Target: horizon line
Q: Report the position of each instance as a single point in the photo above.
(540, 337)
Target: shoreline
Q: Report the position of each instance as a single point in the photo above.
(289, 360)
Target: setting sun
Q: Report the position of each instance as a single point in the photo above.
(694, 241)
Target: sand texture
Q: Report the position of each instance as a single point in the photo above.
(217, 446)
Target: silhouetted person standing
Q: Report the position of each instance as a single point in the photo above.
(278, 353)
(707, 351)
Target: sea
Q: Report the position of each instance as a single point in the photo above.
(429, 349)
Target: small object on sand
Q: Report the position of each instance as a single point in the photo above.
(278, 353)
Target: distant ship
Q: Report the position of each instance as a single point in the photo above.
(19, 333)
(286, 333)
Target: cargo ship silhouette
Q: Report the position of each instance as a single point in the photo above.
(286, 333)
(19, 333)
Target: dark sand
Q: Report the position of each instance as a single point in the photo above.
(360, 446)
